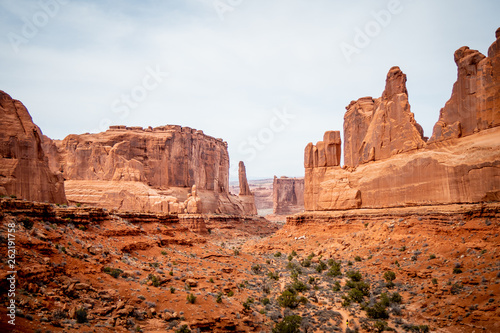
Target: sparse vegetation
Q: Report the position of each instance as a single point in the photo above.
(289, 324)
(277, 254)
(183, 329)
(256, 269)
(191, 298)
(81, 315)
(273, 276)
(114, 272)
(27, 223)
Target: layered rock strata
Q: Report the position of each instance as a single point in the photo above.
(376, 129)
(146, 170)
(246, 196)
(388, 162)
(475, 100)
(24, 169)
(288, 195)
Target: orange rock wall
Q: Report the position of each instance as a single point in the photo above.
(288, 195)
(388, 162)
(475, 101)
(24, 169)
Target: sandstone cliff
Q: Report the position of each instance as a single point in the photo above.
(246, 197)
(288, 195)
(153, 169)
(24, 169)
(459, 164)
(376, 129)
(475, 101)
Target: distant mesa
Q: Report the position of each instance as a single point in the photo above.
(288, 195)
(389, 163)
(124, 168)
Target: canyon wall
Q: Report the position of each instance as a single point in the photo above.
(152, 169)
(288, 195)
(475, 100)
(24, 168)
(388, 161)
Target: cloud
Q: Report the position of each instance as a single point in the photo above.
(227, 76)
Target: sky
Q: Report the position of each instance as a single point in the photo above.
(267, 76)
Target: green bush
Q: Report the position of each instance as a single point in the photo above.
(321, 266)
(289, 299)
(432, 256)
(354, 275)
(289, 324)
(336, 286)
(419, 328)
(154, 279)
(306, 262)
(183, 329)
(114, 272)
(377, 311)
(356, 295)
(273, 276)
(299, 286)
(277, 254)
(265, 301)
(27, 223)
(357, 258)
(380, 326)
(247, 303)
(81, 315)
(191, 298)
(389, 276)
(334, 268)
(388, 299)
(457, 270)
(219, 298)
(256, 269)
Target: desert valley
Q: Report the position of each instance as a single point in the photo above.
(139, 229)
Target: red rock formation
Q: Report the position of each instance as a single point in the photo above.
(288, 195)
(147, 170)
(475, 101)
(462, 171)
(24, 170)
(246, 196)
(405, 170)
(324, 153)
(242, 176)
(378, 129)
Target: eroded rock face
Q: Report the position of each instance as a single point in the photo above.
(161, 157)
(475, 100)
(246, 196)
(324, 153)
(288, 195)
(24, 169)
(376, 129)
(146, 170)
(460, 164)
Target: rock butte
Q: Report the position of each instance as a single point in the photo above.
(388, 162)
(288, 195)
(148, 170)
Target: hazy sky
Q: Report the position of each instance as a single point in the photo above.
(267, 76)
